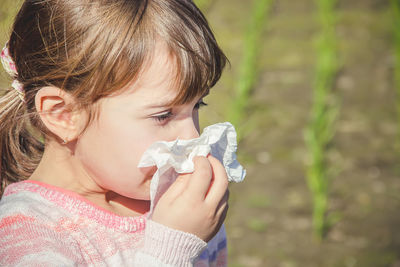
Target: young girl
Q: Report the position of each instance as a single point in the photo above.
(96, 82)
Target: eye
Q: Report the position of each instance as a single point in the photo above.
(162, 117)
(200, 104)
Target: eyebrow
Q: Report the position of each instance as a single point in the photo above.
(166, 103)
(157, 105)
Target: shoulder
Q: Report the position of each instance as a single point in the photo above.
(26, 239)
(24, 200)
(27, 232)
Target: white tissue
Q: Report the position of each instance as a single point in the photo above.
(172, 158)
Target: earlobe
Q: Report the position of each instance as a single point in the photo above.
(54, 107)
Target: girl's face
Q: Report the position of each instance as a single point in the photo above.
(128, 123)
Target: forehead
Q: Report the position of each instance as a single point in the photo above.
(159, 74)
(156, 83)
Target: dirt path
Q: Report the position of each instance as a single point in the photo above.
(269, 220)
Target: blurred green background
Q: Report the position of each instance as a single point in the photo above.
(312, 90)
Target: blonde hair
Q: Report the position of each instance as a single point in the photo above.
(93, 48)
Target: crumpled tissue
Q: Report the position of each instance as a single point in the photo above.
(172, 158)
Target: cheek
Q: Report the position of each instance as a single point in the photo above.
(110, 159)
(110, 150)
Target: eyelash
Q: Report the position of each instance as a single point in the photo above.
(200, 104)
(163, 117)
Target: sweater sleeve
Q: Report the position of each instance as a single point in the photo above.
(165, 247)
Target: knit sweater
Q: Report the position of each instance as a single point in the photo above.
(41, 225)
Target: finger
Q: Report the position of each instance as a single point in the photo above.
(221, 215)
(177, 187)
(220, 182)
(200, 179)
(224, 213)
(223, 204)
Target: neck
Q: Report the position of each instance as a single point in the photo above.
(59, 167)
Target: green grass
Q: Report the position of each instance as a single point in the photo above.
(204, 5)
(257, 225)
(257, 201)
(320, 131)
(249, 66)
(395, 6)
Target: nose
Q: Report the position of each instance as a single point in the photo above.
(189, 129)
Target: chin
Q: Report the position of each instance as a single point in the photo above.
(141, 195)
(144, 197)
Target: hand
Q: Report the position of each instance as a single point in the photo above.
(196, 202)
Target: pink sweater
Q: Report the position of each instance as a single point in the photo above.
(41, 225)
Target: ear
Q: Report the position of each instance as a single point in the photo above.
(55, 109)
